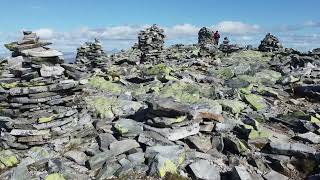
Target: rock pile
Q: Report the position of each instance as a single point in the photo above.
(206, 43)
(151, 41)
(91, 54)
(205, 36)
(228, 48)
(270, 44)
(37, 99)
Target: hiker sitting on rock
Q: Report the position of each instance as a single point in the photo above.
(216, 37)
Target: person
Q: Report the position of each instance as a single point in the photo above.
(216, 38)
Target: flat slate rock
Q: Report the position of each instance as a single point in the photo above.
(202, 169)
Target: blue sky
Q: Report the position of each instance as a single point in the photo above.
(68, 23)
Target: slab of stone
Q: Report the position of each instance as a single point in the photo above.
(203, 169)
(21, 132)
(182, 132)
(41, 52)
(240, 173)
(136, 158)
(51, 71)
(152, 138)
(128, 127)
(120, 147)
(291, 149)
(77, 156)
(272, 175)
(104, 140)
(310, 137)
(201, 143)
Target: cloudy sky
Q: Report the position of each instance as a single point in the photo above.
(69, 23)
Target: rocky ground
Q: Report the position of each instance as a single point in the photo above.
(183, 112)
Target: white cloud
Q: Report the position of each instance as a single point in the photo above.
(181, 30)
(122, 37)
(236, 27)
(45, 33)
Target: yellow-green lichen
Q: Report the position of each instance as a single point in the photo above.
(167, 167)
(8, 158)
(120, 128)
(101, 106)
(182, 158)
(257, 102)
(254, 134)
(9, 85)
(232, 106)
(45, 119)
(107, 86)
(55, 176)
(159, 69)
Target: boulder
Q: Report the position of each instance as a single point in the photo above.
(203, 169)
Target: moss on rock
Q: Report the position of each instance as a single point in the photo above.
(8, 158)
(55, 176)
(107, 86)
(257, 102)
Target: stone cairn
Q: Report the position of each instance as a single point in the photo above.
(150, 42)
(91, 54)
(36, 97)
(206, 42)
(270, 44)
(228, 48)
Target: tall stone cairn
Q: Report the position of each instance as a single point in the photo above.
(206, 42)
(151, 43)
(270, 43)
(205, 36)
(37, 99)
(90, 54)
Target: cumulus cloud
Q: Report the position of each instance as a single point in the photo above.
(122, 37)
(45, 33)
(236, 27)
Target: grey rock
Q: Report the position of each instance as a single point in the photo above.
(120, 147)
(163, 159)
(310, 137)
(291, 149)
(76, 156)
(128, 127)
(125, 108)
(201, 142)
(202, 169)
(105, 140)
(51, 71)
(41, 52)
(137, 158)
(182, 132)
(272, 175)
(15, 62)
(240, 173)
(108, 170)
(20, 132)
(152, 138)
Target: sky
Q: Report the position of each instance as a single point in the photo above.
(70, 23)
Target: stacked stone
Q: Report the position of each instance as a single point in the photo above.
(226, 47)
(91, 54)
(36, 96)
(205, 36)
(270, 44)
(150, 42)
(206, 42)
